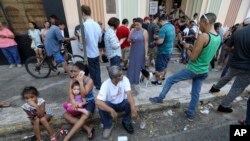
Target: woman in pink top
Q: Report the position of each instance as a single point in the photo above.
(44, 30)
(9, 46)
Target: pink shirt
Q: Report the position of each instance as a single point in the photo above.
(6, 42)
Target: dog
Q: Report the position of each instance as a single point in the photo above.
(147, 76)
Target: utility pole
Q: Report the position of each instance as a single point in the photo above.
(82, 31)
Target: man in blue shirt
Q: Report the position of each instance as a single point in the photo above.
(165, 43)
(53, 43)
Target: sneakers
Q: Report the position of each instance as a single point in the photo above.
(156, 83)
(189, 118)
(214, 90)
(155, 100)
(19, 65)
(107, 132)
(128, 127)
(11, 66)
(224, 109)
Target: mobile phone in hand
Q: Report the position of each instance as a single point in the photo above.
(81, 73)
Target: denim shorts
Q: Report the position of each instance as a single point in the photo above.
(90, 106)
(161, 62)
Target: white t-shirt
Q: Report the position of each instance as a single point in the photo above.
(114, 94)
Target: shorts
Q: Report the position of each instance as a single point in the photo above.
(152, 53)
(161, 62)
(125, 53)
(90, 106)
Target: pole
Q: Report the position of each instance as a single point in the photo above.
(82, 31)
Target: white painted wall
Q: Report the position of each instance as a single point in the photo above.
(221, 17)
(244, 8)
(72, 19)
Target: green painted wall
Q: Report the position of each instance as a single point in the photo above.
(129, 9)
(196, 7)
(214, 6)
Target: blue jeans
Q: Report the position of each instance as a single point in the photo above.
(115, 61)
(11, 54)
(124, 106)
(94, 71)
(186, 74)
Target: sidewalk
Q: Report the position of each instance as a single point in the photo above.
(54, 91)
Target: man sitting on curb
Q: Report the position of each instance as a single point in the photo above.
(115, 96)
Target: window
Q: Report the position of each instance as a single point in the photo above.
(111, 6)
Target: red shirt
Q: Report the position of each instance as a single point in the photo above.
(123, 32)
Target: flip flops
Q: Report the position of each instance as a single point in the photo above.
(4, 104)
(92, 134)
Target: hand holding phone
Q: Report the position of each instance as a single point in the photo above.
(81, 73)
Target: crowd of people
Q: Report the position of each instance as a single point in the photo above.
(148, 43)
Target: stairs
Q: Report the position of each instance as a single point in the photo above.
(176, 54)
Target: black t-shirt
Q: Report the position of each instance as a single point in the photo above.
(145, 26)
(152, 28)
(241, 52)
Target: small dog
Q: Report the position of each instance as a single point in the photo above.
(146, 74)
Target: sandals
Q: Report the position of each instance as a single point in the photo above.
(53, 138)
(91, 135)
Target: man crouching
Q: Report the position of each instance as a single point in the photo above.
(115, 96)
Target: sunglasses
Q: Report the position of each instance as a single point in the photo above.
(204, 15)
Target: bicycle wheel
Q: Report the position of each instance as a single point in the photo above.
(76, 58)
(37, 67)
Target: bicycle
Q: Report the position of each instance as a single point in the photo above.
(70, 58)
(41, 67)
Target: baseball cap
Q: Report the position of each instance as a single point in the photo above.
(147, 18)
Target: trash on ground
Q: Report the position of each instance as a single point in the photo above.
(210, 105)
(205, 111)
(239, 98)
(168, 113)
(245, 97)
(101, 126)
(142, 124)
(122, 138)
(27, 137)
(186, 127)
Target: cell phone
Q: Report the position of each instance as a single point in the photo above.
(81, 73)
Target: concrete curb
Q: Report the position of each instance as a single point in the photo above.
(59, 121)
